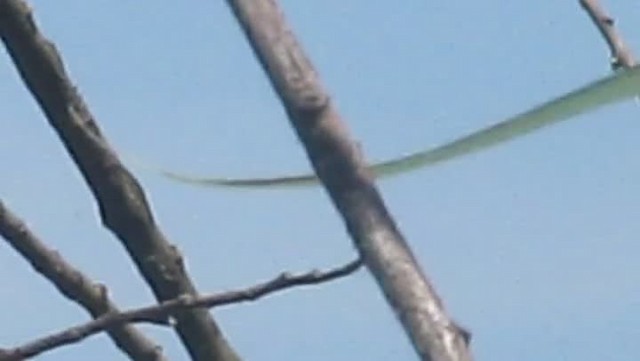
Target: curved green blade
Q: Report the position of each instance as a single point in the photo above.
(611, 89)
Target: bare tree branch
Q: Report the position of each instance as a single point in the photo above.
(123, 207)
(620, 55)
(338, 163)
(160, 314)
(74, 285)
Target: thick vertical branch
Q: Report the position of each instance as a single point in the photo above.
(74, 285)
(123, 207)
(339, 165)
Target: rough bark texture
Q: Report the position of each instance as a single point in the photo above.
(338, 163)
(121, 201)
(75, 286)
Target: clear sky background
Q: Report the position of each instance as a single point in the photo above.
(533, 245)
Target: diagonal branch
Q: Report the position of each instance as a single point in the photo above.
(338, 163)
(620, 55)
(123, 206)
(74, 285)
(160, 314)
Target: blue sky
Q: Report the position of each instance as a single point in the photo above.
(533, 245)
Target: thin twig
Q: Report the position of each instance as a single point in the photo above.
(620, 55)
(162, 314)
(74, 285)
(340, 165)
(123, 206)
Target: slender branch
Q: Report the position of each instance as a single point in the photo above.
(340, 166)
(121, 200)
(620, 55)
(161, 314)
(74, 285)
